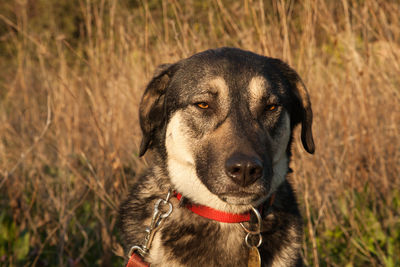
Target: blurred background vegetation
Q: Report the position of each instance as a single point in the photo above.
(71, 76)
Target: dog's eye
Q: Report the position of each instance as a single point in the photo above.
(202, 105)
(271, 107)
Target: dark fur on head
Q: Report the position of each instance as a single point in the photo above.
(153, 110)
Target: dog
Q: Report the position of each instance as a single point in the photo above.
(220, 126)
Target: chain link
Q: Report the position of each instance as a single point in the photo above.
(257, 232)
(162, 209)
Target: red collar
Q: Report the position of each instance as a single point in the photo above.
(218, 215)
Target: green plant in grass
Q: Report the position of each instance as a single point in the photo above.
(14, 244)
(368, 234)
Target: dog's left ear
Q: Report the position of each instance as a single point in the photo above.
(302, 111)
(151, 110)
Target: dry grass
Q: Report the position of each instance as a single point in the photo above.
(68, 117)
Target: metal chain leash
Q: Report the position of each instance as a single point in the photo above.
(159, 215)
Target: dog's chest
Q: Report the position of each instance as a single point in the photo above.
(189, 240)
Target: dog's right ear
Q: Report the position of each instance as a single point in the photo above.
(151, 110)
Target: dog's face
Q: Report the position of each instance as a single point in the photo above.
(222, 122)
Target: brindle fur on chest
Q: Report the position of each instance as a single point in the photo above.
(203, 243)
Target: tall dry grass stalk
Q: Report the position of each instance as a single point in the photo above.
(69, 128)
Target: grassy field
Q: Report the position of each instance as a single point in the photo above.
(71, 76)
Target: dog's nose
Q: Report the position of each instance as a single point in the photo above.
(243, 170)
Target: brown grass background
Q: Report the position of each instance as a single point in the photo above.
(71, 77)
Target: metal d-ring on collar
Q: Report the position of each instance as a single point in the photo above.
(257, 231)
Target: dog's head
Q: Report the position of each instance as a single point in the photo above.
(222, 122)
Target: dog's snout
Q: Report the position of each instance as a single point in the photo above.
(243, 170)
